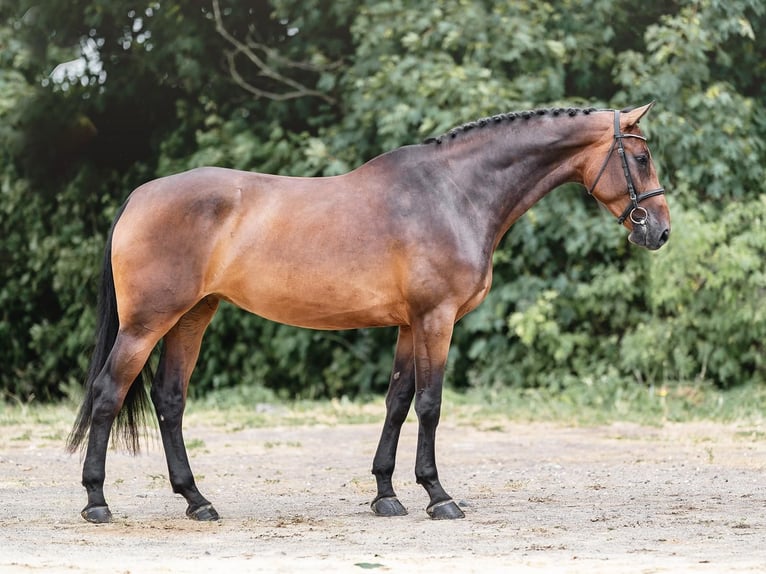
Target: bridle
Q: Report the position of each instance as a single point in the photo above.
(637, 214)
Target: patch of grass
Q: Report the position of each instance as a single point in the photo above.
(278, 443)
(26, 435)
(195, 444)
(593, 404)
(751, 435)
(516, 485)
(55, 436)
(584, 404)
(57, 415)
(237, 410)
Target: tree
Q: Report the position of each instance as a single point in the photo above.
(99, 96)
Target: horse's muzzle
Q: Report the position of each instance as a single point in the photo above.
(651, 235)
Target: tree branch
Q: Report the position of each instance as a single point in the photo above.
(250, 51)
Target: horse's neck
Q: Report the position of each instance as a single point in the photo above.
(510, 168)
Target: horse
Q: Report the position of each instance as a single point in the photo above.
(405, 240)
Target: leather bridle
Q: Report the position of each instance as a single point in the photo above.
(637, 214)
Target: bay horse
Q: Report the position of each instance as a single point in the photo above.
(405, 240)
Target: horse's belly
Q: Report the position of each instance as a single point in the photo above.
(318, 305)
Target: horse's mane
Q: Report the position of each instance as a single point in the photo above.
(508, 117)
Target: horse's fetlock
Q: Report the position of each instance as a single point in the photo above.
(383, 471)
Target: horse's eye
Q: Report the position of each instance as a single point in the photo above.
(642, 160)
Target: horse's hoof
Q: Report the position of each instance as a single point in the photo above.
(389, 506)
(97, 514)
(204, 513)
(446, 510)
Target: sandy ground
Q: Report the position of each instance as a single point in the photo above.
(537, 498)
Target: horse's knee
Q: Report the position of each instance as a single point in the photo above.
(428, 409)
(106, 404)
(168, 398)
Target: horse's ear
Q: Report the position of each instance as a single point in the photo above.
(631, 117)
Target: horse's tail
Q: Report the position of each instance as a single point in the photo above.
(132, 416)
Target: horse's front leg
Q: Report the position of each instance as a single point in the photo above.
(182, 345)
(401, 389)
(432, 336)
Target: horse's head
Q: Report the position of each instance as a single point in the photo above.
(621, 175)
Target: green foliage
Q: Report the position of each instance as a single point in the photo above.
(712, 131)
(572, 303)
(706, 294)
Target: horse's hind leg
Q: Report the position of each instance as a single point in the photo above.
(129, 353)
(398, 400)
(179, 356)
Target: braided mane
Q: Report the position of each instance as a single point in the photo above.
(508, 117)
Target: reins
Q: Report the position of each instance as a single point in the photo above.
(637, 214)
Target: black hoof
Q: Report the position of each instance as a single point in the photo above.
(97, 514)
(204, 513)
(389, 506)
(446, 510)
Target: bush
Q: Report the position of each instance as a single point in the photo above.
(707, 295)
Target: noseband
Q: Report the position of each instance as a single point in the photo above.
(637, 214)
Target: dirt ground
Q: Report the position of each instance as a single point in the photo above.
(537, 497)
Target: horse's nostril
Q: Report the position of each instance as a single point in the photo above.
(664, 236)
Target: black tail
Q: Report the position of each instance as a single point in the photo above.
(132, 416)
